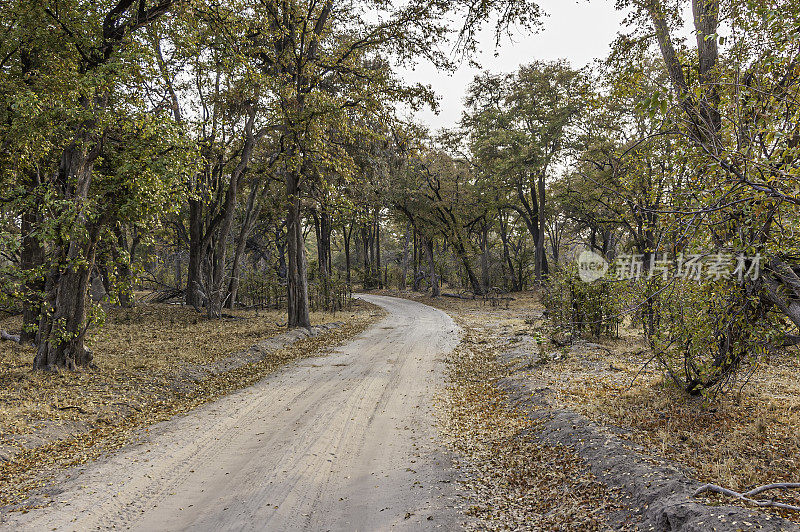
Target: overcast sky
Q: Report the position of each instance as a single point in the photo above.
(578, 31)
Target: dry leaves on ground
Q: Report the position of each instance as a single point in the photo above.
(516, 481)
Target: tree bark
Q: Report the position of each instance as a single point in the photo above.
(193, 297)
(484, 237)
(404, 273)
(250, 216)
(323, 229)
(60, 337)
(417, 279)
(297, 273)
(541, 254)
(346, 235)
(434, 281)
(378, 247)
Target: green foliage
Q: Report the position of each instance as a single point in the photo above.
(708, 332)
(577, 308)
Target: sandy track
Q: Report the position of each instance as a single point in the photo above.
(339, 442)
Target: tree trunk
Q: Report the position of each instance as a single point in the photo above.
(404, 275)
(322, 222)
(474, 283)
(280, 244)
(193, 297)
(219, 228)
(347, 234)
(541, 256)
(417, 279)
(432, 268)
(378, 247)
(297, 273)
(62, 327)
(251, 214)
(484, 236)
(60, 342)
(366, 239)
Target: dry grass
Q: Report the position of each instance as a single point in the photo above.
(739, 441)
(52, 420)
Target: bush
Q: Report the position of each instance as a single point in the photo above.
(577, 308)
(707, 331)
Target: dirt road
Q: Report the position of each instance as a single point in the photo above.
(339, 442)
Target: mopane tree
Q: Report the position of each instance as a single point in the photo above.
(521, 126)
(72, 67)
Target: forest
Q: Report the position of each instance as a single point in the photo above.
(217, 158)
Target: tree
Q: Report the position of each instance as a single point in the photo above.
(70, 67)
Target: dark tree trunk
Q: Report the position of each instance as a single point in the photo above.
(417, 279)
(378, 247)
(297, 273)
(62, 327)
(251, 214)
(368, 246)
(280, 245)
(434, 281)
(323, 229)
(60, 342)
(404, 273)
(193, 297)
(372, 274)
(346, 234)
(541, 254)
(474, 283)
(219, 229)
(484, 236)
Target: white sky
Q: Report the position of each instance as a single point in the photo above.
(577, 30)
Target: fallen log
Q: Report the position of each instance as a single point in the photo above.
(457, 296)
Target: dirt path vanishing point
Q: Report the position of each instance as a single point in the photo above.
(338, 442)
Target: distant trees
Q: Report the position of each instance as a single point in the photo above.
(519, 128)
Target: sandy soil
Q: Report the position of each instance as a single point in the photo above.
(339, 442)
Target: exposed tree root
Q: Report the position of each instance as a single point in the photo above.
(11, 337)
(748, 496)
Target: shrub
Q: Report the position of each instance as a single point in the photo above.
(577, 308)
